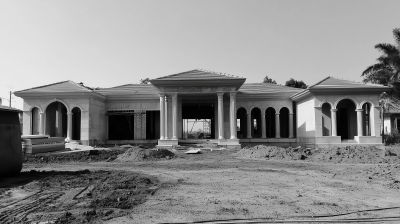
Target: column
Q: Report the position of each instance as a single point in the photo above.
(174, 115)
(232, 115)
(69, 127)
(359, 122)
(220, 115)
(166, 118)
(291, 125)
(249, 125)
(41, 123)
(277, 126)
(263, 126)
(333, 120)
(162, 97)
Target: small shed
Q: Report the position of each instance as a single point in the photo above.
(10, 141)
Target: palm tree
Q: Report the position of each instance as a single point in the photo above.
(387, 70)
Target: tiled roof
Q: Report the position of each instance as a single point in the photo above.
(330, 82)
(128, 90)
(65, 86)
(257, 88)
(197, 75)
(5, 108)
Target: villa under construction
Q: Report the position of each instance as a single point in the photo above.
(208, 106)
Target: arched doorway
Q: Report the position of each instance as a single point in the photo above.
(35, 121)
(346, 119)
(326, 120)
(56, 120)
(284, 122)
(76, 124)
(366, 119)
(241, 123)
(270, 122)
(256, 123)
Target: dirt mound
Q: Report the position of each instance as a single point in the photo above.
(274, 152)
(347, 154)
(88, 156)
(74, 197)
(141, 154)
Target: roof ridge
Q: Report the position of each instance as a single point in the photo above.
(199, 70)
(318, 82)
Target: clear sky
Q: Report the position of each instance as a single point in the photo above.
(110, 43)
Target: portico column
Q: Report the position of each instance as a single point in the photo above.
(41, 123)
(248, 125)
(69, 126)
(233, 115)
(333, 117)
(174, 115)
(277, 126)
(359, 122)
(166, 118)
(162, 96)
(220, 115)
(263, 126)
(291, 125)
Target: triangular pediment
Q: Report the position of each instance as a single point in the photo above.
(332, 83)
(197, 74)
(60, 87)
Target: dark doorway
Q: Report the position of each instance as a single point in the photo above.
(76, 124)
(256, 123)
(284, 122)
(270, 122)
(121, 127)
(346, 119)
(152, 124)
(198, 121)
(326, 120)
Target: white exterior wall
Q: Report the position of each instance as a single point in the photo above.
(306, 126)
(96, 124)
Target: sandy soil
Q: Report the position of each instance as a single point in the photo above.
(220, 185)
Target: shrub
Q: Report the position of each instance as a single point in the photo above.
(392, 138)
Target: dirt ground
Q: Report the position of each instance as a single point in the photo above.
(214, 185)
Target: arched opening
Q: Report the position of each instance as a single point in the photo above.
(241, 123)
(256, 123)
(270, 122)
(346, 119)
(326, 120)
(76, 124)
(35, 119)
(366, 119)
(56, 120)
(284, 122)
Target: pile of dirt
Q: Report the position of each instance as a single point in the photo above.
(274, 152)
(87, 156)
(347, 154)
(357, 154)
(142, 154)
(75, 197)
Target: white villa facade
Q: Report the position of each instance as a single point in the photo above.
(331, 112)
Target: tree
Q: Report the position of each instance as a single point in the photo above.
(145, 81)
(296, 84)
(268, 80)
(387, 69)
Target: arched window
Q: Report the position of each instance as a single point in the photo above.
(256, 123)
(284, 122)
(241, 117)
(76, 123)
(270, 122)
(35, 121)
(56, 120)
(366, 119)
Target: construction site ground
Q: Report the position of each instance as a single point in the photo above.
(275, 184)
